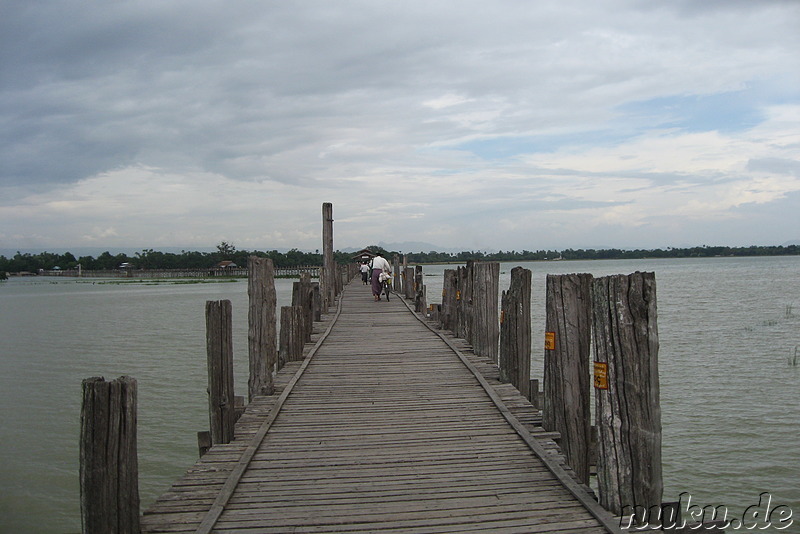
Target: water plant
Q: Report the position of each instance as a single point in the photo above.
(793, 359)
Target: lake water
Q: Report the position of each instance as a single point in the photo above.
(727, 328)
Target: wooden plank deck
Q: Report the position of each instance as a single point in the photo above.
(387, 426)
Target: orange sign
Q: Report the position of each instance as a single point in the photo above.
(550, 341)
(502, 316)
(601, 375)
(458, 295)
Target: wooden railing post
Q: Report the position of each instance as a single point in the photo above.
(292, 337)
(463, 323)
(261, 332)
(303, 296)
(317, 301)
(515, 332)
(485, 324)
(408, 283)
(568, 338)
(626, 384)
(219, 348)
(396, 281)
(448, 311)
(419, 290)
(328, 279)
(109, 472)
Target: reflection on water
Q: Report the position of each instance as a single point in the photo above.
(730, 400)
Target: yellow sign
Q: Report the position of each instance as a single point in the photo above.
(550, 341)
(601, 375)
(458, 295)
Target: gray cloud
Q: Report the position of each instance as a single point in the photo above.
(511, 106)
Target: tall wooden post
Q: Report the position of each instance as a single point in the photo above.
(292, 338)
(109, 471)
(515, 331)
(396, 282)
(317, 301)
(449, 288)
(329, 266)
(261, 331)
(406, 281)
(628, 412)
(219, 348)
(485, 288)
(464, 302)
(566, 366)
(303, 296)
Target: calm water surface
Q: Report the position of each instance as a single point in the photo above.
(730, 399)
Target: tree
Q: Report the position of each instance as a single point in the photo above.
(226, 249)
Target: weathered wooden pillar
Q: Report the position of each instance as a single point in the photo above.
(464, 315)
(627, 405)
(485, 290)
(515, 332)
(568, 339)
(396, 278)
(317, 301)
(261, 334)
(219, 348)
(408, 283)
(418, 290)
(109, 471)
(292, 337)
(329, 266)
(303, 296)
(448, 311)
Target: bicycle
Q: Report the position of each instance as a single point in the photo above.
(386, 287)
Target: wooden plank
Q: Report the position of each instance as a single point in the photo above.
(392, 431)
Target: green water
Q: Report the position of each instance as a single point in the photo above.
(730, 399)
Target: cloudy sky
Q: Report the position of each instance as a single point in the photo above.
(466, 124)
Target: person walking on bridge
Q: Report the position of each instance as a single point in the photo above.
(379, 265)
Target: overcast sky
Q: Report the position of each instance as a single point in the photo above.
(464, 124)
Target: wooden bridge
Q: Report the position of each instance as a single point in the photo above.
(387, 425)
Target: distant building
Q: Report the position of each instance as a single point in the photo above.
(363, 255)
(226, 264)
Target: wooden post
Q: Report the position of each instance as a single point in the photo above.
(515, 332)
(329, 267)
(449, 289)
(292, 338)
(485, 288)
(419, 305)
(566, 367)
(396, 282)
(317, 301)
(303, 296)
(219, 347)
(109, 471)
(534, 393)
(628, 413)
(261, 334)
(406, 281)
(464, 303)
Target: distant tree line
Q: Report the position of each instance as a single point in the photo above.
(152, 259)
(603, 254)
